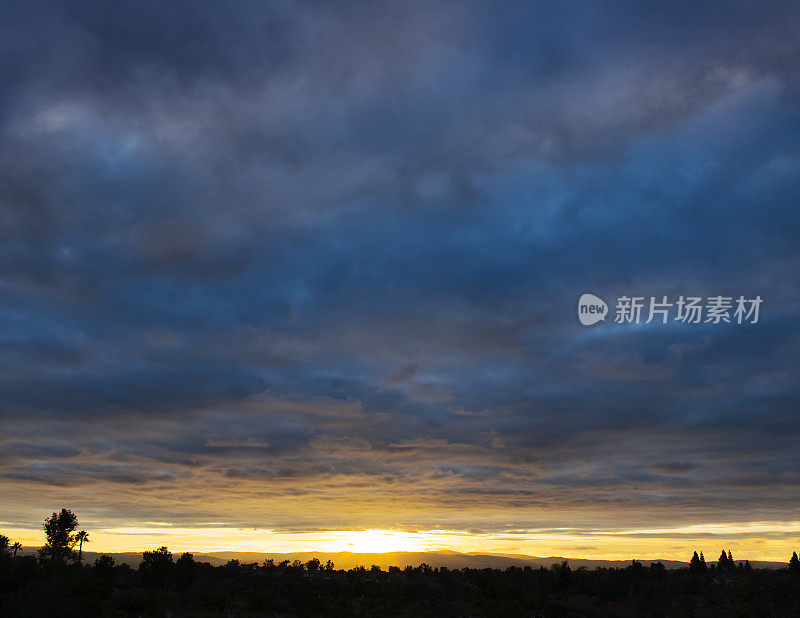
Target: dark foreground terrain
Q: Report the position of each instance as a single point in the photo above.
(163, 586)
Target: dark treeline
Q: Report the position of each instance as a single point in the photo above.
(56, 582)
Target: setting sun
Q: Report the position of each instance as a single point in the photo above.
(380, 541)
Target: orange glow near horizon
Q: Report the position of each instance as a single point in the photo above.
(770, 541)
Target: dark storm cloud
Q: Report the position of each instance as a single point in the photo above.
(342, 246)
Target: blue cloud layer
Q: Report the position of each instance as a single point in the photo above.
(343, 245)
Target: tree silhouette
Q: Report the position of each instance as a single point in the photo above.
(794, 563)
(185, 570)
(722, 563)
(82, 537)
(4, 543)
(58, 532)
(313, 565)
(156, 566)
(104, 566)
(16, 546)
(697, 563)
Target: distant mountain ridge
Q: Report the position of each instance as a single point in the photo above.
(449, 559)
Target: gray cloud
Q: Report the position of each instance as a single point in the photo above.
(292, 250)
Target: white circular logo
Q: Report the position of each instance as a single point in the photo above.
(591, 309)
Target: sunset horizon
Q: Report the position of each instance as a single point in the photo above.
(623, 545)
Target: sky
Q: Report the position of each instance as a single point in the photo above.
(304, 276)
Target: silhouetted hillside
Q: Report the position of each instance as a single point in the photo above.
(449, 559)
(62, 587)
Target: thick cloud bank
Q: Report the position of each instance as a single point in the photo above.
(312, 265)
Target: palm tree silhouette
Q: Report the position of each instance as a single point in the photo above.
(16, 546)
(82, 537)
